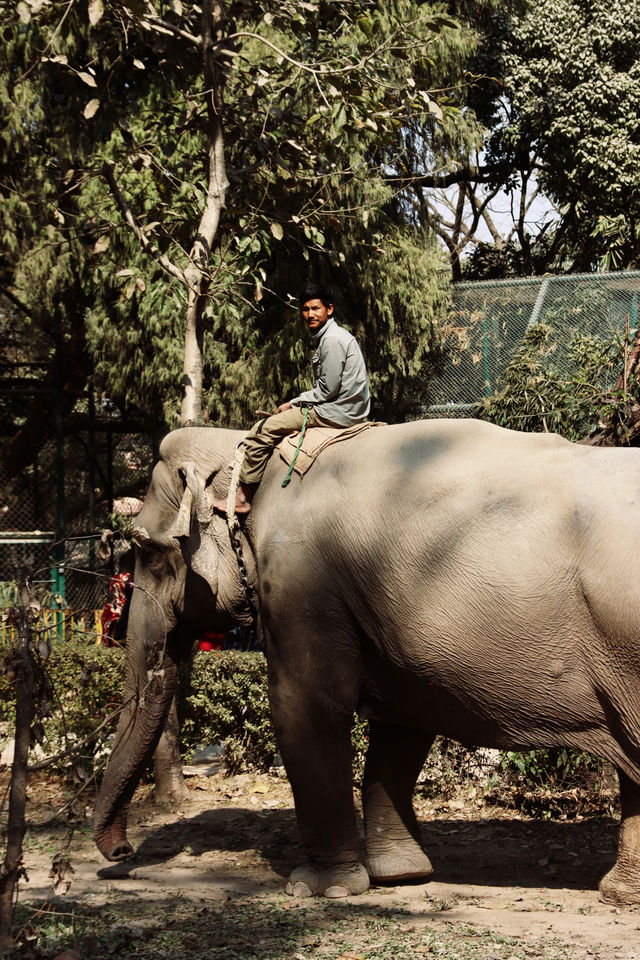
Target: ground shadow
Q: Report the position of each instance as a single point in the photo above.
(238, 927)
(489, 852)
(522, 853)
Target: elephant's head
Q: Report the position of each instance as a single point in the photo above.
(186, 581)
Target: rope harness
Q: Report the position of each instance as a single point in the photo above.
(295, 456)
(232, 520)
(234, 532)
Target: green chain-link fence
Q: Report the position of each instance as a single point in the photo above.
(488, 320)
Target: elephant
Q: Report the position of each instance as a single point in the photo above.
(436, 577)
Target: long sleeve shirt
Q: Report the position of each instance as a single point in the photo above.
(341, 391)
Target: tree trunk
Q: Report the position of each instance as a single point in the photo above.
(23, 665)
(197, 274)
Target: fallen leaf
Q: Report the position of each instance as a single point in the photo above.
(61, 872)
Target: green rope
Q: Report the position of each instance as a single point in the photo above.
(295, 456)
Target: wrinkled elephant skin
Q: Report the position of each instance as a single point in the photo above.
(438, 577)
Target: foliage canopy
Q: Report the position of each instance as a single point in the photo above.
(291, 135)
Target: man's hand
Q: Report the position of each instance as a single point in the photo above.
(283, 407)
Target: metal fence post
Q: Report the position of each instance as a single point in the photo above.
(58, 553)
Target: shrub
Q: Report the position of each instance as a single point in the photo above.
(82, 685)
(557, 769)
(451, 766)
(223, 699)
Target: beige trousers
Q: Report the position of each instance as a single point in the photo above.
(265, 434)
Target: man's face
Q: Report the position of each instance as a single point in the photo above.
(315, 314)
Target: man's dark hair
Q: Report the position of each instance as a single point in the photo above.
(317, 291)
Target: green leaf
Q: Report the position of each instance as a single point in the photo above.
(88, 79)
(95, 10)
(365, 24)
(136, 6)
(91, 108)
(277, 231)
(23, 12)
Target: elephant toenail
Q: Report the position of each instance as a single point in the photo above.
(298, 889)
(335, 891)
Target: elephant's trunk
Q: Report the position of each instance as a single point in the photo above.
(147, 704)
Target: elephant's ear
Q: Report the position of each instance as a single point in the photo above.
(193, 526)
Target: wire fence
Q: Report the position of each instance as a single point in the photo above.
(69, 460)
(488, 320)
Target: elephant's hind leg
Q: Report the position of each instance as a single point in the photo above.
(621, 886)
(394, 759)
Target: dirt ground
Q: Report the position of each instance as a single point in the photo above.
(504, 885)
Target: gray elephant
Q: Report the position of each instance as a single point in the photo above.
(443, 577)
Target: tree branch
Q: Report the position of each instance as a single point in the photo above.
(16, 302)
(145, 243)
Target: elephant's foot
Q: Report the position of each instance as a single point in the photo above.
(112, 842)
(339, 881)
(620, 887)
(400, 864)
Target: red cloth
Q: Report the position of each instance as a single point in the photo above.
(211, 641)
(112, 610)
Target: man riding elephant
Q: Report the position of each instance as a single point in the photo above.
(339, 398)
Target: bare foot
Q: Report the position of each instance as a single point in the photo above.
(242, 505)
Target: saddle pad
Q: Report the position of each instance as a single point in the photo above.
(316, 439)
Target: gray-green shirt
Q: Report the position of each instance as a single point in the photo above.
(341, 391)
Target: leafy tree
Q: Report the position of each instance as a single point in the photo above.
(195, 166)
(558, 104)
(573, 77)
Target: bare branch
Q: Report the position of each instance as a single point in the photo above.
(172, 31)
(150, 248)
(15, 301)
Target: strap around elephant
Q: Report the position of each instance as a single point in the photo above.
(295, 456)
(234, 532)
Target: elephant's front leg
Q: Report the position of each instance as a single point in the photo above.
(394, 760)
(312, 708)
(621, 886)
